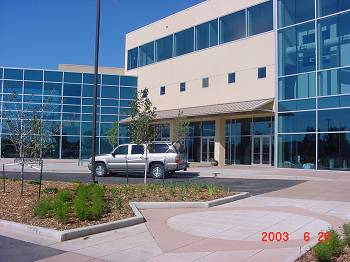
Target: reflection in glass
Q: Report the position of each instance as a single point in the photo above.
(232, 27)
(260, 18)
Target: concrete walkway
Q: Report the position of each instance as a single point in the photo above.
(231, 232)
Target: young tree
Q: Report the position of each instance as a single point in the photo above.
(141, 127)
(181, 127)
(113, 135)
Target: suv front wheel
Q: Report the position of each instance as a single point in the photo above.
(100, 170)
(157, 171)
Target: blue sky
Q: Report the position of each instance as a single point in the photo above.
(45, 33)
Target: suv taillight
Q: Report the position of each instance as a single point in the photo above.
(177, 159)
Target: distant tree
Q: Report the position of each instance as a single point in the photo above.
(141, 127)
(113, 135)
(181, 127)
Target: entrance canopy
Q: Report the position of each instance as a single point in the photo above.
(218, 109)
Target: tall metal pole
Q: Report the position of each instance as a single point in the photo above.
(94, 109)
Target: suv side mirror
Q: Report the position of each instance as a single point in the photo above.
(113, 154)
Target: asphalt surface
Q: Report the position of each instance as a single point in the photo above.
(13, 250)
(254, 186)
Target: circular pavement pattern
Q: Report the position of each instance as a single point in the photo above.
(246, 225)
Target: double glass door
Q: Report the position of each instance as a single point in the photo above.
(207, 149)
(261, 153)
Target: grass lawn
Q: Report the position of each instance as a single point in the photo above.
(71, 205)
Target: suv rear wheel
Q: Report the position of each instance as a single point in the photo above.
(157, 171)
(100, 170)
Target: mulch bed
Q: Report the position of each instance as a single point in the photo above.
(17, 208)
(310, 256)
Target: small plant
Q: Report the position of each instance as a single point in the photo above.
(42, 208)
(15, 179)
(50, 190)
(60, 206)
(118, 203)
(34, 182)
(346, 230)
(212, 189)
(330, 248)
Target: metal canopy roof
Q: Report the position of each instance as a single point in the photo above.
(235, 107)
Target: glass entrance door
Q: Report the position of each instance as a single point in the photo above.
(207, 149)
(261, 150)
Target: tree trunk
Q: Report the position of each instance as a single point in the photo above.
(146, 165)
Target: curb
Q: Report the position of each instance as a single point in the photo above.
(95, 229)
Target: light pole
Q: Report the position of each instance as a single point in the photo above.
(94, 108)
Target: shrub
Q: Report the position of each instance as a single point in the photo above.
(89, 202)
(324, 251)
(42, 208)
(34, 182)
(346, 230)
(118, 203)
(212, 189)
(50, 190)
(60, 206)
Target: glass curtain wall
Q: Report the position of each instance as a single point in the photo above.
(66, 101)
(313, 84)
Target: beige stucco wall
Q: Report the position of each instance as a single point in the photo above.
(91, 69)
(242, 57)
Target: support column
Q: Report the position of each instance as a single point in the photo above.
(219, 149)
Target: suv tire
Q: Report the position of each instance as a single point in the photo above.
(100, 170)
(157, 171)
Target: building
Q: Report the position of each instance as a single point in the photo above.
(65, 96)
(262, 82)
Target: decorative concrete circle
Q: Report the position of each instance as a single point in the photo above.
(246, 225)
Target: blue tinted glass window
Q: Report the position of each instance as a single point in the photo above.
(128, 81)
(110, 92)
(146, 54)
(162, 90)
(87, 109)
(13, 87)
(132, 58)
(301, 86)
(232, 27)
(164, 48)
(70, 128)
(294, 105)
(16, 74)
(52, 99)
(344, 80)
(109, 110)
(1, 73)
(231, 78)
(327, 7)
(125, 103)
(53, 76)
(125, 111)
(72, 90)
(334, 49)
(33, 87)
(72, 101)
(205, 82)
(127, 92)
(52, 89)
(292, 12)
(202, 36)
(109, 118)
(109, 102)
(262, 126)
(86, 128)
(70, 147)
(110, 80)
(297, 122)
(72, 77)
(90, 79)
(262, 72)
(36, 75)
(329, 102)
(334, 120)
(260, 18)
(213, 32)
(184, 42)
(71, 109)
(182, 87)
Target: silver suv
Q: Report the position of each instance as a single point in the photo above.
(163, 159)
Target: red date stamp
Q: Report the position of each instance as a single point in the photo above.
(284, 236)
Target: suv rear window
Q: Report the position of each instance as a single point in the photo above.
(160, 148)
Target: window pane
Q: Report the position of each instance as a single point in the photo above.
(182, 87)
(243, 150)
(260, 18)
(184, 42)
(72, 77)
(334, 120)
(231, 78)
(33, 87)
(121, 150)
(36, 75)
(70, 128)
(301, 86)
(164, 48)
(52, 89)
(90, 79)
(205, 82)
(334, 151)
(297, 122)
(345, 80)
(162, 90)
(146, 55)
(202, 36)
(13, 87)
(297, 151)
(294, 105)
(262, 72)
(128, 81)
(70, 146)
(132, 58)
(71, 90)
(110, 80)
(110, 92)
(208, 128)
(262, 126)
(53, 76)
(292, 12)
(214, 32)
(127, 92)
(327, 7)
(232, 27)
(15, 74)
(137, 149)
